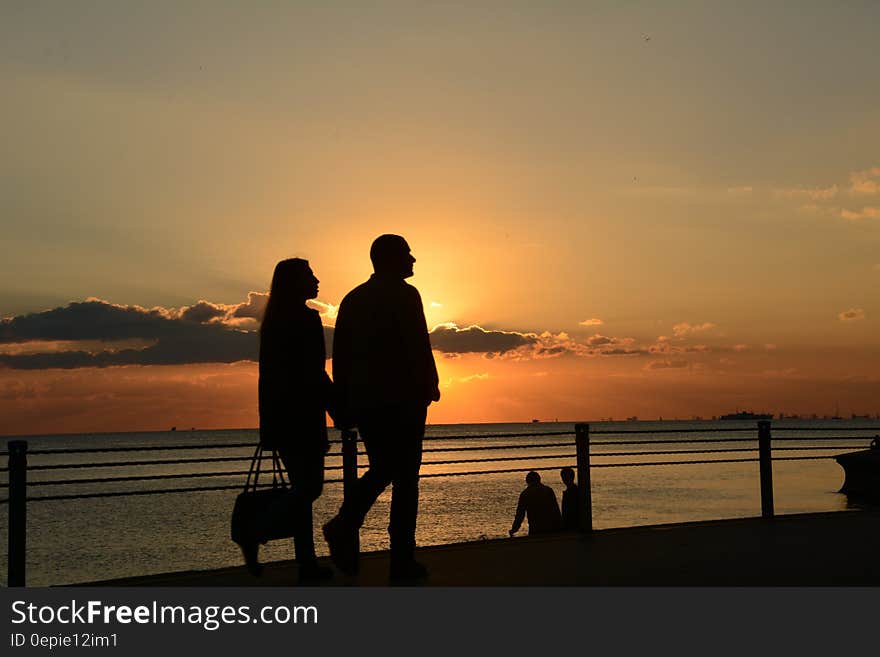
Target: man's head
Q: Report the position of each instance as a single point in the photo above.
(567, 475)
(533, 478)
(391, 256)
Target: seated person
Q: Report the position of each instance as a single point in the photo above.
(538, 502)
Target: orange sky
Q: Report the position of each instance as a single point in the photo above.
(474, 389)
(648, 210)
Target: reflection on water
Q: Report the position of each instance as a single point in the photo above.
(82, 540)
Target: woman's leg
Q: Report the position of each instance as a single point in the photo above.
(305, 469)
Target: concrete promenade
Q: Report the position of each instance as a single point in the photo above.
(839, 548)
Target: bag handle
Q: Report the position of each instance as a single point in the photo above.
(278, 471)
(278, 479)
(254, 470)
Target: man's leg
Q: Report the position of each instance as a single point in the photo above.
(341, 531)
(377, 477)
(408, 431)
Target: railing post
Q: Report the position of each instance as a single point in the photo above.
(17, 512)
(350, 470)
(582, 444)
(766, 461)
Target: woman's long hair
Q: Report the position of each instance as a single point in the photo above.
(288, 282)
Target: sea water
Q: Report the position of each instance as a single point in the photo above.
(81, 540)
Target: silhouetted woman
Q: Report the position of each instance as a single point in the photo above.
(294, 392)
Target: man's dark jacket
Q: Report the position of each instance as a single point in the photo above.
(381, 349)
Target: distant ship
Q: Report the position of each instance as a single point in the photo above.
(746, 415)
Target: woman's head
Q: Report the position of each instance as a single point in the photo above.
(293, 282)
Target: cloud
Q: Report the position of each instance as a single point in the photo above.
(219, 345)
(812, 193)
(93, 330)
(327, 311)
(474, 339)
(451, 340)
(816, 199)
(253, 308)
(745, 190)
(851, 315)
(864, 213)
(474, 377)
(665, 347)
(596, 345)
(595, 321)
(598, 340)
(622, 351)
(685, 329)
(97, 333)
(511, 345)
(202, 312)
(446, 383)
(91, 346)
(865, 182)
(92, 319)
(666, 364)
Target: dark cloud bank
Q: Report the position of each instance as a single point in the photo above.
(473, 339)
(185, 337)
(98, 333)
(201, 333)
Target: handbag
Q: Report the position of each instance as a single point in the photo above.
(261, 515)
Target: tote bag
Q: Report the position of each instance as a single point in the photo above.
(263, 514)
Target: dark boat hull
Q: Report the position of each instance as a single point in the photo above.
(862, 470)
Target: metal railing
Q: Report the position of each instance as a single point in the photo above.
(18, 468)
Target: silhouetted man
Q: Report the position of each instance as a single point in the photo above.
(385, 377)
(538, 502)
(571, 520)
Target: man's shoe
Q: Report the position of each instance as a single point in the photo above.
(312, 573)
(343, 546)
(250, 552)
(407, 570)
